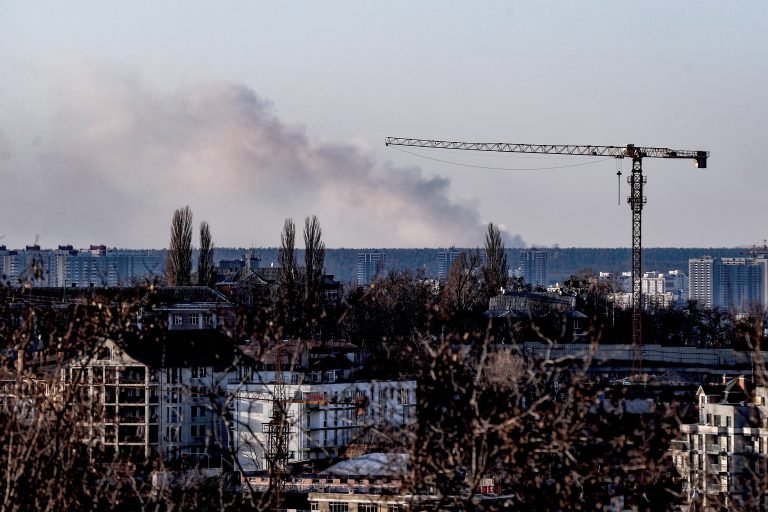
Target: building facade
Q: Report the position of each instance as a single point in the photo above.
(370, 265)
(69, 267)
(143, 405)
(701, 273)
(723, 458)
(445, 261)
(738, 284)
(324, 417)
(533, 263)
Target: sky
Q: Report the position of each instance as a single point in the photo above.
(113, 114)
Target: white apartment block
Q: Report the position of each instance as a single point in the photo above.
(324, 417)
(701, 273)
(722, 458)
(140, 410)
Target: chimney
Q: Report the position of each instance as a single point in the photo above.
(742, 381)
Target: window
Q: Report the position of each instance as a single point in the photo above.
(172, 434)
(313, 506)
(199, 372)
(172, 415)
(338, 506)
(717, 420)
(394, 507)
(208, 320)
(728, 421)
(176, 319)
(173, 375)
(368, 507)
(194, 319)
(197, 430)
(402, 396)
(709, 419)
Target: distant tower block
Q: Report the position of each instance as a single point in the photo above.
(445, 260)
(370, 265)
(533, 262)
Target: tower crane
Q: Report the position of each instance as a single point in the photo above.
(636, 199)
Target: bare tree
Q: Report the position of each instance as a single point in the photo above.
(205, 274)
(178, 268)
(461, 290)
(314, 258)
(495, 269)
(288, 276)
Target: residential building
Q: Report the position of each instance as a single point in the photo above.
(153, 398)
(701, 273)
(32, 265)
(534, 265)
(738, 284)
(445, 261)
(70, 267)
(190, 308)
(328, 409)
(741, 283)
(676, 283)
(370, 265)
(723, 457)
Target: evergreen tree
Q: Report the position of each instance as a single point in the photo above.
(314, 260)
(178, 269)
(205, 271)
(495, 269)
(288, 274)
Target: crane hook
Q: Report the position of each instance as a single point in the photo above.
(618, 178)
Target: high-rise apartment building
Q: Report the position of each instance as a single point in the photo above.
(370, 265)
(533, 262)
(69, 267)
(445, 261)
(730, 283)
(740, 283)
(30, 265)
(701, 273)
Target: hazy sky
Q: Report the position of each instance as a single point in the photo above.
(113, 114)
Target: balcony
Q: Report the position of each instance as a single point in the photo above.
(715, 448)
(131, 399)
(130, 418)
(717, 468)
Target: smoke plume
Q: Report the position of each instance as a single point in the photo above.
(105, 158)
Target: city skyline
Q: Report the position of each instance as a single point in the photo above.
(261, 112)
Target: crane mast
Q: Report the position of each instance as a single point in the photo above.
(636, 199)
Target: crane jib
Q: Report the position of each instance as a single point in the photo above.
(628, 151)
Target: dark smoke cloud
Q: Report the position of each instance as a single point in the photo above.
(111, 158)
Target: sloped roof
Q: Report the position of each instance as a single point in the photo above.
(372, 464)
(181, 349)
(186, 294)
(525, 301)
(331, 362)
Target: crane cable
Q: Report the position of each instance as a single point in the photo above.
(591, 162)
